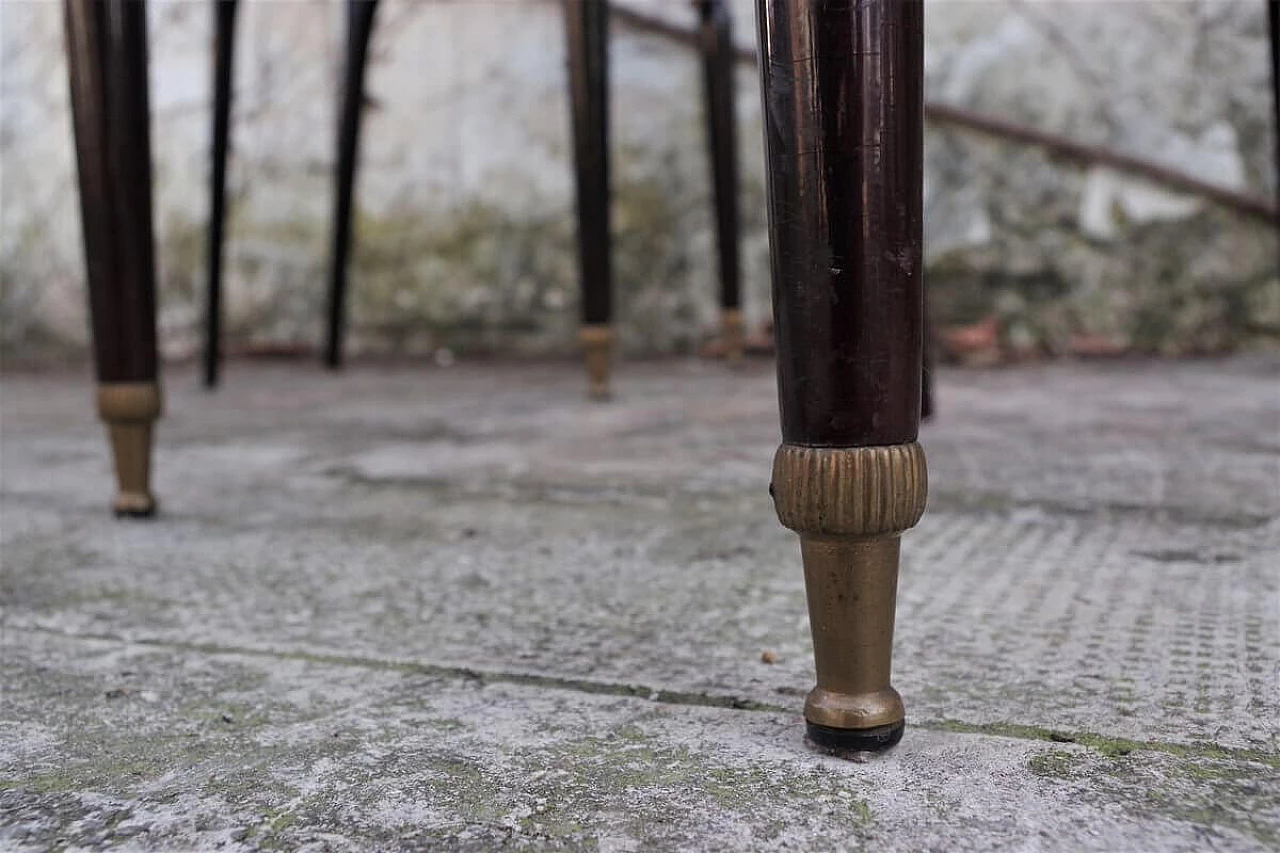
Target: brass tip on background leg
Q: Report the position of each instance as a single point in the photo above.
(130, 409)
(597, 342)
(731, 328)
(850, 506)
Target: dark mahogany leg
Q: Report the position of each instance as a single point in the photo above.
(359, 28)
(843, 116)
(586, 29)
(722, 142)
(224, 26)
(107, 64)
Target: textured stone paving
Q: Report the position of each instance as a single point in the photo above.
(463, 608)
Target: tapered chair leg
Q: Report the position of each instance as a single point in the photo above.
(844, 116)
(722, 144)
(224, 27)
(107, 64)
(359, 29)
(586, 29)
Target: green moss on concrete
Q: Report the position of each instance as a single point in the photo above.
(1056, 763)
(1108, 747)
(1208, 791)
(634, 761)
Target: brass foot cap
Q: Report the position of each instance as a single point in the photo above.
(854, 711)
(134, 505)
(597, 340)
(732, 325)
(843, 741)
(130, 410)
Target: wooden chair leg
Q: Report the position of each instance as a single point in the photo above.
(359, 29)
(843, 107)
(224, 35)
(587, 36)
(722, 143)
(107, 65)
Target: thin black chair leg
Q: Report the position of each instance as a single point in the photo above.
(722, 147)
(107, 66)
(843, 113)
(224, 34)
(359, 29)
(587, 36)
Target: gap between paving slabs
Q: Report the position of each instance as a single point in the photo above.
(1108, 747)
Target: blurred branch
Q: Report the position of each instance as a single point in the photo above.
(645, 22)
(1244, 203)
(1057, 145)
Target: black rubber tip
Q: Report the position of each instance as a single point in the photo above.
(136, 513)
(837, 741)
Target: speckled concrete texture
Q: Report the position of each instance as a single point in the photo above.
(463, 608)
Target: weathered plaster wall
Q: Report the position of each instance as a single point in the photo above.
(465, 228)
(1056, 251)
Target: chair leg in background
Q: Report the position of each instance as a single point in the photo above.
(718, 60)
(107, 65)
(359, 29)
(587, 37)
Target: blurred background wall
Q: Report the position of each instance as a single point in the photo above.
(464, 235)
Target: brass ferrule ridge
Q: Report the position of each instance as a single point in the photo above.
(130, 409)
(597, 343)
(731, 326)
(850, 507)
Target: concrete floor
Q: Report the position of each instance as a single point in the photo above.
(465, 609)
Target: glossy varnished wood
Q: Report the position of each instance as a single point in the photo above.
(843, 122)
(224, 23)
(716, 33)
(359, 29)
(107, 65)
(843, 117)
(587, 41)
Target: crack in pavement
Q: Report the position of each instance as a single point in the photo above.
(1110, 747)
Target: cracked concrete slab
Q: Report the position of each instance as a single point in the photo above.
(1086, 643)
(163, 746)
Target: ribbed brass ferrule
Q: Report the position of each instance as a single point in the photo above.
(850, 506)
(597, 343)
(849, 491)
(130, 410)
